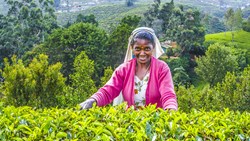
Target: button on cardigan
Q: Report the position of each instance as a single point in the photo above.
(160, 90)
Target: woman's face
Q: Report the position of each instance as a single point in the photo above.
(143, 50)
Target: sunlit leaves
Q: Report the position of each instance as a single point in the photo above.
(38, 84)
(218, 61)
(116, 123)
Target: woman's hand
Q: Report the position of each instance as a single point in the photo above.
(87, 104)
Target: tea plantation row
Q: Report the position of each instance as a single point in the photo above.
(117, 123)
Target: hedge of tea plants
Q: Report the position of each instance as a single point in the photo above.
(117, 123)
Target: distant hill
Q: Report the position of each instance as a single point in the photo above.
(209, 6)
(107, 15)
(241, 39)
(109, 12)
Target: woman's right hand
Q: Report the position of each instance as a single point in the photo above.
(87, 104)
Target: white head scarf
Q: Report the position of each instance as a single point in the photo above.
(157, 52)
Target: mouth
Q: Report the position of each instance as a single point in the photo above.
(142, 58)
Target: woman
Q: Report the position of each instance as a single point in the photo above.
(143, 79)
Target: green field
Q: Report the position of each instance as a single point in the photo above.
(106, 15)
(241, 38)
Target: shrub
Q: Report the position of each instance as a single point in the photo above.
(82, 85)
(39, 84)
(216, 63)
(235, 90)
(116, 123)
(107, 75)
(246, 25)
(233, 93)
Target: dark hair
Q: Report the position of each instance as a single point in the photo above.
(143, 35)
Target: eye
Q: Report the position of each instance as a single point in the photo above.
(137, 49)
(147, 49)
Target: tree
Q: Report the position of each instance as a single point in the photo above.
(238, 19)
(165, 13)
(38, 85)
(26, 23)
(180, 77)
(129, 3)
(183, 27)
(82, 86)
(246, 25)
(216, 63)
(234, 90)
(186, 29)
(63, 45)
(152, 13)
(233, 93)
(118, 39)
(86, 19)
(233, 20)
(212, 24)
(107, 75)
(157, 16)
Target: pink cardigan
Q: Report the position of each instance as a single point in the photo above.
(160, 88)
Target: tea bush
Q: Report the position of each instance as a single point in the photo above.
(117, 123)
(233, 93)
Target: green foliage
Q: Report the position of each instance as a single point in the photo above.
(86, 19)
(189, 98)
(185, 28)
(107, 15)
(233, 93)
(240, 57)
(129, 3)
(216, 63)
(63, 45)
(165, 14)
(179, 67)
(116, 123)
(180, 77)
(38, 85)
(26, 23)
(182, 26)
(118, 39)
(151, 14)
(246, 25)
(82, 86)
(233, 20)
(241, 40)
(234, 90)
(212, 24)
(107, 75)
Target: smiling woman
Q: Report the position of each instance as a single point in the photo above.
(142, 78)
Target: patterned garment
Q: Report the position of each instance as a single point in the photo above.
(140, 91)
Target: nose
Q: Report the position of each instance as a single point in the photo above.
(142, 52)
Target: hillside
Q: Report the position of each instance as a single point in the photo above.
(241, 39)
(208, 6)
(106, 15)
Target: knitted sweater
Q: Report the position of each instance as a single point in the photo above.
(160, 90)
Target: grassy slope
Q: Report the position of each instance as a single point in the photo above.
(106, 15)
(241, 39)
